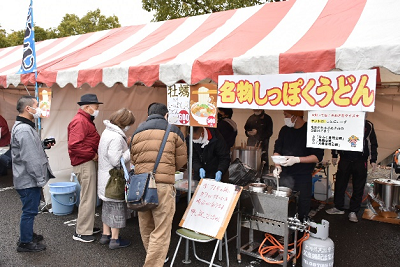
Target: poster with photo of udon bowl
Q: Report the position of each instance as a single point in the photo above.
(203, 105)
(45, 101)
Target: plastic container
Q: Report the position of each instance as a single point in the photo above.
(62, 187)
(320, 189)
(63, 197)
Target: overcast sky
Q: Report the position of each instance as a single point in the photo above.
(49, 13)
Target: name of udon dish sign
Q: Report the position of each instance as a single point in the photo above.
(344, 90)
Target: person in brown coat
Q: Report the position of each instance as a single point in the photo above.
(155, 225)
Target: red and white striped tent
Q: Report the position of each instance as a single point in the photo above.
(284, 37)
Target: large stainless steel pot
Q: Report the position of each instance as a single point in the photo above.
(386, 190)
(250, 156)
(396, 195)
(257, 187)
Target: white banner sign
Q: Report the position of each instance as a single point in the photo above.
(344, 90)
(178, 102)
(209, 207)
(341, 130)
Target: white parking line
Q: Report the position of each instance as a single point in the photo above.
(6, 188)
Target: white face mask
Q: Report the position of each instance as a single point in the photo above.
(126, 128)
(289, 123)
(37, 114)
(198, 141)
(95, 112)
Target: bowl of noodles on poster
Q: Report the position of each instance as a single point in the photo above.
(204, 113)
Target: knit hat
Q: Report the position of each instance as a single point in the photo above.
(298, 113)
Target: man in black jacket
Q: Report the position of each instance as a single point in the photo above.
(210, 155)
(296, 171)
(258, 129)
(355, 164)
(226, 126)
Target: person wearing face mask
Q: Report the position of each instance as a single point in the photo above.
(31, 170)
(296, 171)
(210, 155)
(258, 129)
(83, 142)
(226, 126)
(112, 147)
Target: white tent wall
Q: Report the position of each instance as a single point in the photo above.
(137, 99)
(64, 107)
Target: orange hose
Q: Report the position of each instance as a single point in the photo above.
(276, 245)
(365, 198)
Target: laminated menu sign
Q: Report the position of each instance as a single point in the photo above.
(178, 99)
(203, 105)
(45, 101)
(341, 130)
(194, 105)
(211, 207)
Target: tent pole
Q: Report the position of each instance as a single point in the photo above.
(189, 195)
(38, 121)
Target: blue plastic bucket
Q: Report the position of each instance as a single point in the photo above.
(63, 197)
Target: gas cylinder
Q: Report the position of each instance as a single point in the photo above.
(318, 249)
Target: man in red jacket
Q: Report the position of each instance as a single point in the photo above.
(83, 141)
(5, 137)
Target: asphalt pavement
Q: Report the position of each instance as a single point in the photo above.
(367, 243)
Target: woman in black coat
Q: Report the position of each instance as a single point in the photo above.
(211, 157)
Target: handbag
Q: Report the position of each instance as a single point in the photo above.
(115, 188)
(141, 189)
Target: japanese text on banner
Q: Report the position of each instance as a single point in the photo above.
(353, 90)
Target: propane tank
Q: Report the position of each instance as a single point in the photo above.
(318, 249)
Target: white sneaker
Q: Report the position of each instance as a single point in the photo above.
(353, 217)
(334, 211)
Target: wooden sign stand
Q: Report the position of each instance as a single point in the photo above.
(208, 204)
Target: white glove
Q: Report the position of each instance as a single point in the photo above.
(277, 171)
(334, 161)
(291, 161)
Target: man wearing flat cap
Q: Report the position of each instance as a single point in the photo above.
(296, 171)
(83, 141)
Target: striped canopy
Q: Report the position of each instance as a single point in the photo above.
(284, 37)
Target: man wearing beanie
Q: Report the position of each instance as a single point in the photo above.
(296, 171)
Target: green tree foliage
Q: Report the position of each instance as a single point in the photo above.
(70, 25)
(16, 38)
(173, 9)
(3, 38)
(93, 21)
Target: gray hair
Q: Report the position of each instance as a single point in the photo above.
(24, 101)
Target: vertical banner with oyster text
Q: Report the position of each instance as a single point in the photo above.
(194, 105)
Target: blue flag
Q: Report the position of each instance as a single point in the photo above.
(28, 64)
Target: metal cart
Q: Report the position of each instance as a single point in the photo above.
(267, 213)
